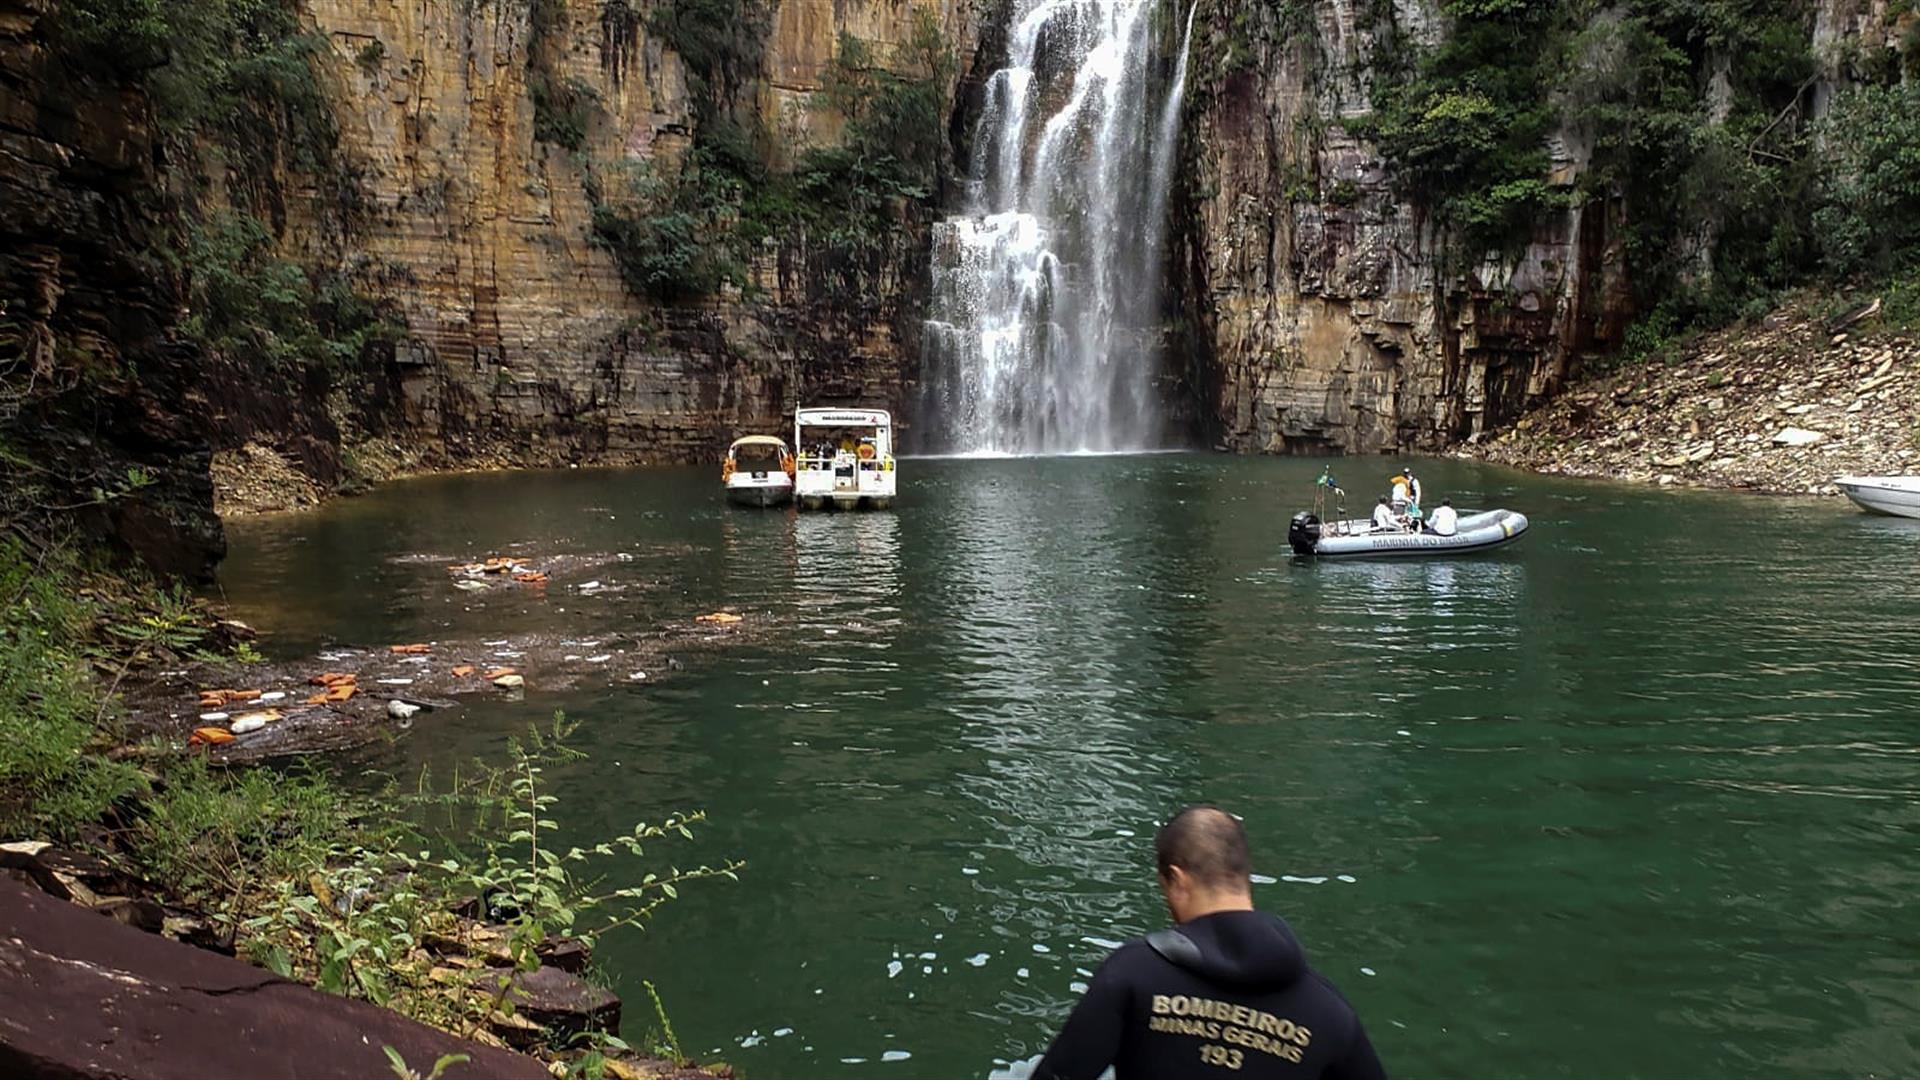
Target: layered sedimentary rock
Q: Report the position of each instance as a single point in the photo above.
(521, 339)
(1321, 308)
(95, 398)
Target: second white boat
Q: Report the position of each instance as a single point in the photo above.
(1895, 495)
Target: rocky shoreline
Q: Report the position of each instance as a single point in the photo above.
(1781, 408)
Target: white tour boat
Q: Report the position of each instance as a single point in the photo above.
(845, 459)
(1895, 495)
(758, 472)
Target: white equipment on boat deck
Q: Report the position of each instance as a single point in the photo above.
(1898, 496)
(758, 472)
(845, 459)
(1480, 530)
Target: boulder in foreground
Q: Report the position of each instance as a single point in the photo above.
(82, 996)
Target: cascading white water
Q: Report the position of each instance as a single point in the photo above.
(1046, 290)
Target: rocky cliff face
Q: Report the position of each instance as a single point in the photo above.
(521, 340)
(94, 395)
(1323, 310)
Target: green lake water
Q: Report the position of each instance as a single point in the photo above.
(1639, 797)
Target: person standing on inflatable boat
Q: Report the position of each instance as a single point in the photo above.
(1225, 993)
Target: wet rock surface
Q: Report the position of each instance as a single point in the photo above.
(82, 997)
(1783, 408)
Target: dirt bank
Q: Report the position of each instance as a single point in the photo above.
(1784, 407)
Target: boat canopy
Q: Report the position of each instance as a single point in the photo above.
(771, 441)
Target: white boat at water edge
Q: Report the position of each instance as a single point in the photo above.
(758, 472)
(1898, 496)
(845, 459)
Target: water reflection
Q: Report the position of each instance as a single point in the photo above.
(1664, 744)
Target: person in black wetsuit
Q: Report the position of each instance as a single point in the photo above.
(1226, 993)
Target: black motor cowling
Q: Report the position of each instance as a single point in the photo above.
(1304, 533)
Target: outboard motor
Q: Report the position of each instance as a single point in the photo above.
(1304, 533)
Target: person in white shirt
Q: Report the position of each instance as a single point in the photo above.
(1383, 517)
(1445, 520)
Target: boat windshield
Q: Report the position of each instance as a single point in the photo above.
(758, 457)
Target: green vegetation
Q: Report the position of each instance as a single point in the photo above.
(1696, 114)
(244, 299)
(246, 127)
(1868, 218)
(49, 783)
(685, 235)
(356, 923)
(560, 110)
(315, 883)
(720, 41)
(235, 73)
(68, 636)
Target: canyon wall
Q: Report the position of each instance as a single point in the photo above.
(521, 340)
(1321, 299)
(94, 391)
(1325, 304)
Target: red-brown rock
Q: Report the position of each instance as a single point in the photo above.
(82, 997)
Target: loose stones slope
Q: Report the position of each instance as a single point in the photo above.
(1783, 408)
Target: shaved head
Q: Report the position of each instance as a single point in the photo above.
(1209, 844)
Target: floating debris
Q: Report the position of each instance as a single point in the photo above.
(212, 699)
(410, 650)
(724, 618)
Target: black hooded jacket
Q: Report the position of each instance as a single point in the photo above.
(1227, 995)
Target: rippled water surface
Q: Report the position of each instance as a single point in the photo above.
(1637, 798)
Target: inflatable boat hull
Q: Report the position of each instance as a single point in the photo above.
(1480, 531)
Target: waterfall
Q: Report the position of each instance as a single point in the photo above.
(1046, 288)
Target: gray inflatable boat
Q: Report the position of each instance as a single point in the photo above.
(1481, 530)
